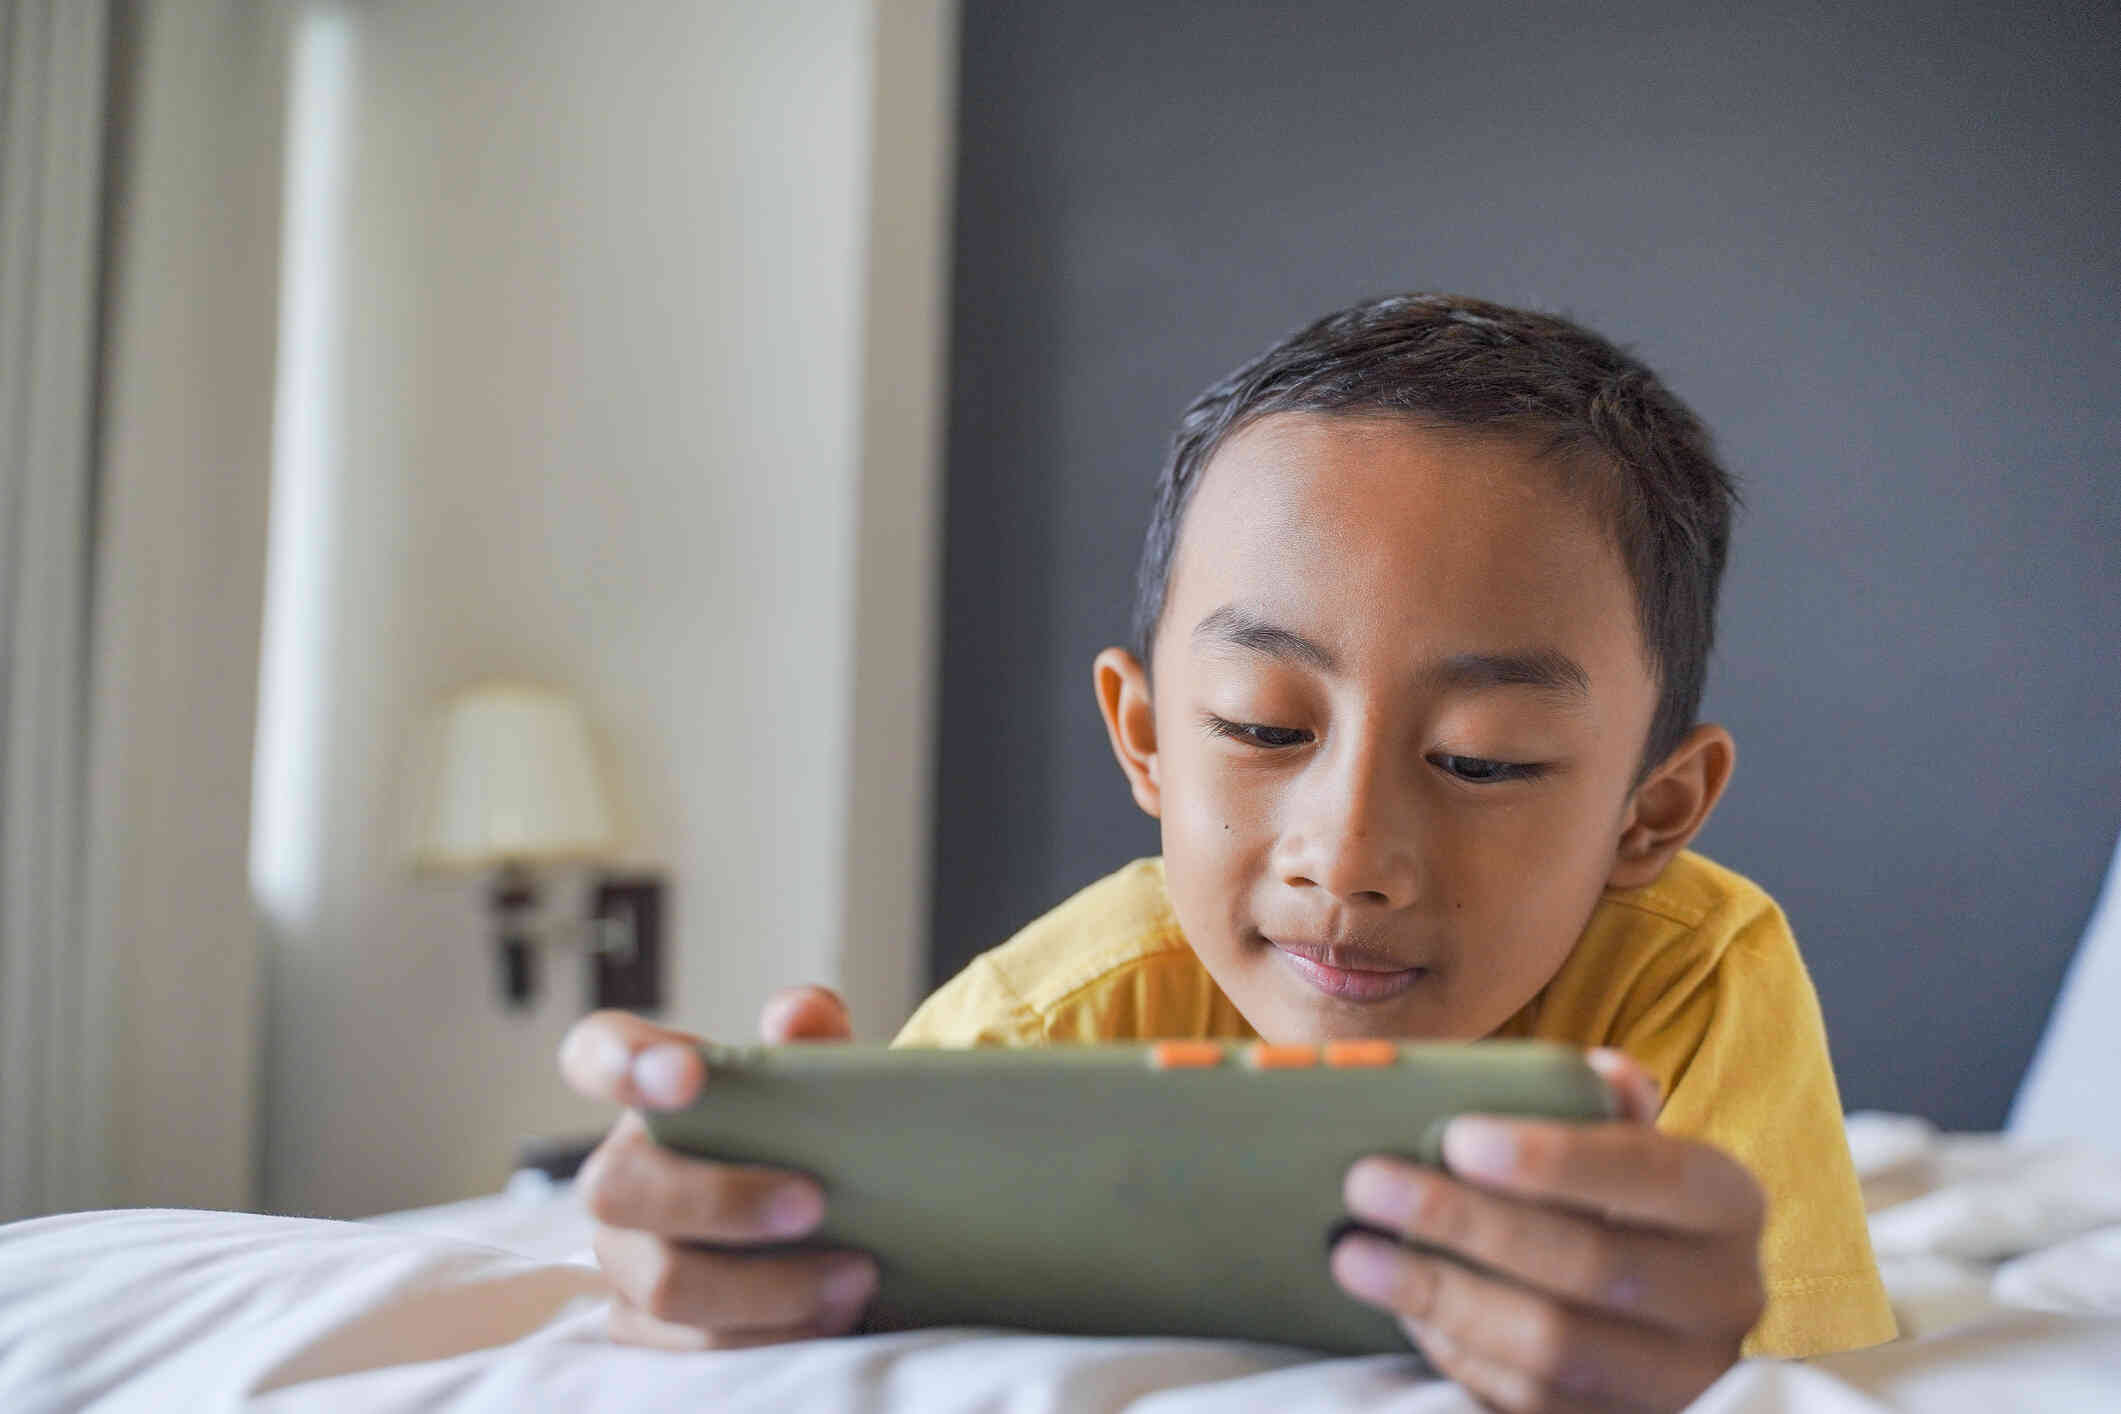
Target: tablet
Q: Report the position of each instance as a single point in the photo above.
(1178, 1188)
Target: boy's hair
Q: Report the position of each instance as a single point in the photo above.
(1450, 361)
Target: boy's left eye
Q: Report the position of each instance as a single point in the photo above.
(1480, 770)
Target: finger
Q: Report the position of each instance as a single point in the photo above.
(630, 1181)
(1619, 1170)
(745, 1340)
(1641, 1097)
(1630, 1272)
(617, 1057)
(1538, 1349)
(1557, 1358)
(1496, 1386)
(805, 1014)
(726, 1292)
(629, 1325)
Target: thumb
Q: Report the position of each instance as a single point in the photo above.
(621, 1059)
(1631, 1084)
(805, 1014)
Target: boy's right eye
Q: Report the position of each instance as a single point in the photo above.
(1255, 734)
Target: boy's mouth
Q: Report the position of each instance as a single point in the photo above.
(1354, 977)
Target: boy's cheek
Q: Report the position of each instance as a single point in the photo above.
(1210, 818)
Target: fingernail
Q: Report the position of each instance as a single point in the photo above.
(793, 1211)
(1609, 1062)
(1382, 1193)
(773, 1017)
(1478, 1146)
(849, 1287)
(612, 1057)
(1368, 1267)
(659, 1074)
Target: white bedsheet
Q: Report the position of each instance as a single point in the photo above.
(493, 1305)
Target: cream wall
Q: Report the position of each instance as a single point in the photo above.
(186, 462)
(612, 360)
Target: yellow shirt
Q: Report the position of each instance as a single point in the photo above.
(1696, 976)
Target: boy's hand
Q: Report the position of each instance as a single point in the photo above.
(1598, 1266)
(651, 1204)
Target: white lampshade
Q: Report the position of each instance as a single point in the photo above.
(510, 775)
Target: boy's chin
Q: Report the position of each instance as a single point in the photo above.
(1296, 1014)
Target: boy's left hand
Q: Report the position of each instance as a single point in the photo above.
(1598, 1266)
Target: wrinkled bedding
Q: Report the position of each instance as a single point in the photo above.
(2004, 1261)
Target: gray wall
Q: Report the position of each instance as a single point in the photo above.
(1875, 246)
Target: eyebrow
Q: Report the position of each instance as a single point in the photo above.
(1242, 628)
(1545, 670)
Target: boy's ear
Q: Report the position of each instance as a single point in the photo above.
(1123, 698)
(1669, 808)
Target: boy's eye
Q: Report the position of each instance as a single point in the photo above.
(1254, 734)
(1480, 769)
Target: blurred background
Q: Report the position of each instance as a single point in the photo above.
(770, 397)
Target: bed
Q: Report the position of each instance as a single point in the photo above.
(2003, 1257)
(2002, 1253)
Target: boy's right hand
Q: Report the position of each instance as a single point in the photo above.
(651, 1205)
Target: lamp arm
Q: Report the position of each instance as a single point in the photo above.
(610, 936)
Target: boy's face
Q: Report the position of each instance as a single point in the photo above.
(1399, 698)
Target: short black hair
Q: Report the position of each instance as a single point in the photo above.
(1451, 361)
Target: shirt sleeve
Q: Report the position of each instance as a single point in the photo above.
(975, 1008)
(1742, 1056)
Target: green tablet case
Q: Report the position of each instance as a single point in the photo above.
(1093, 1190)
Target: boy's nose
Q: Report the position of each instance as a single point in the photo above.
(1355, 868)
(1355, 839)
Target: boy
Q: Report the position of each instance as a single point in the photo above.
(1423, 620)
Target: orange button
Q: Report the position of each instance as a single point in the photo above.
(1265, 1057)
(1361, 1054)
(1185, 1055)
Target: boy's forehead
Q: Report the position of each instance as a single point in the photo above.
(1369, 461)
(1386, 524)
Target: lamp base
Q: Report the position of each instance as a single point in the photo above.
(519, 971)
(515, 899)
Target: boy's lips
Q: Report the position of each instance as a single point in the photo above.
(1346, 973)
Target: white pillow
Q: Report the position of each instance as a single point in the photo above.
(2072, 1090)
